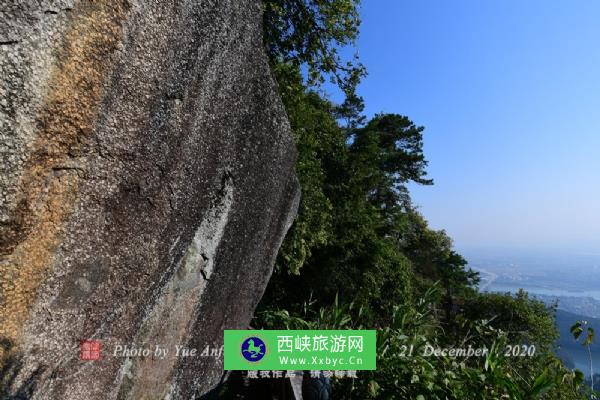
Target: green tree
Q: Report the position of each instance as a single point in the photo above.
(310, 33)
(360, 184)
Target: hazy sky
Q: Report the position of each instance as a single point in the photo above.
(508, 92)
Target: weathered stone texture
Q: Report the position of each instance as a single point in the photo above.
(146, 183)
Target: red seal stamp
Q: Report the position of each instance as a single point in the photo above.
(90, 349)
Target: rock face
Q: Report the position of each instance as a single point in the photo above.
(147, 181)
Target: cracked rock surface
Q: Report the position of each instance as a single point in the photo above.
(146, 184)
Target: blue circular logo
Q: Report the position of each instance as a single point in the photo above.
(253, 349)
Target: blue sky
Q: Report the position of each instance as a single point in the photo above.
(508, 92)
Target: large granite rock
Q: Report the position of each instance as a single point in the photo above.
(146, 184)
